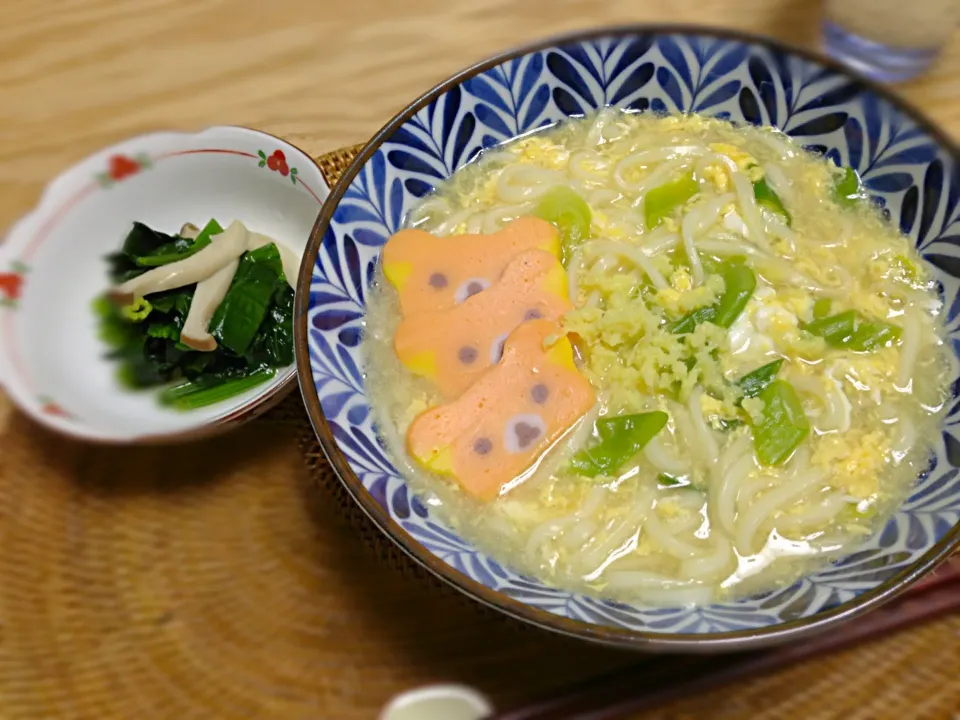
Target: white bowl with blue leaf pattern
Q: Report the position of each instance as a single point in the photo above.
(909, 167)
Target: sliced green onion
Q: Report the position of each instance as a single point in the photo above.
(849, 190)
(621, 438)
(726, 424)
(767, 198)
(665, 480)
(821, 308)
(782, 426)
(739, 283)
(849, 331)
(754, 382)
(852, 513)
(137, 311)
(661, 201)
(569, 212)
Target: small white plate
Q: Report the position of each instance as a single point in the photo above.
(52, 268)
(438, 702)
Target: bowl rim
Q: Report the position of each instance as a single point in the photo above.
(47, 204)
(734, 640)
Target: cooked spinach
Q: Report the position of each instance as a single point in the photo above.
(237, 320)
(253, 325)
(211, 389)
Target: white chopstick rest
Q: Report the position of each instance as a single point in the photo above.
(438, 702)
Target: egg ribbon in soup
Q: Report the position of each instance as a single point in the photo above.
(765, 349)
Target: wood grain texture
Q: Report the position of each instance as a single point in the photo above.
(78, 74)
(113, 590)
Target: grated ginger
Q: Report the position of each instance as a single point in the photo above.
(854, 460)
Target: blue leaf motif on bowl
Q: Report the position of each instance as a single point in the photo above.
(510, 99)
(589, 76)
(910, 171)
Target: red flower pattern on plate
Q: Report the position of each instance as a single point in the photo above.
(10, 285)
(278, 163)
(121, 166)
(51, 408)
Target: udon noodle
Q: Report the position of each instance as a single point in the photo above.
(698, 515)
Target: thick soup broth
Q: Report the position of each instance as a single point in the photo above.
(734, 282)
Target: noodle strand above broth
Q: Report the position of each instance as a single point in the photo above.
(739, 370)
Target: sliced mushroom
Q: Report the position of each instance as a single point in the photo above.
(189, 231)
(206, 299)
(230, 245)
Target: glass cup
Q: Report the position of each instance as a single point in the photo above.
(888, 40)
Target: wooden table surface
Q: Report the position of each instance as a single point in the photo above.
(76, 75)
(79, 74)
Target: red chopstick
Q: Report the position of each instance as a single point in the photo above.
(646, 686)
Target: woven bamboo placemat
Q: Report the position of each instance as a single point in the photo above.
(234, 578)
